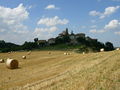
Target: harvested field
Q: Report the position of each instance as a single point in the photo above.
(56, 71)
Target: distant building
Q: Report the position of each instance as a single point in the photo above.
(95, 40)
(64, 33)
(88, 38)
(80, 35)
(42, 42)
(51, 41)
(73, 38)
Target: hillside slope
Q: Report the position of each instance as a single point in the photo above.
(56, 71)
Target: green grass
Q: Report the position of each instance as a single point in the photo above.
(60, 47)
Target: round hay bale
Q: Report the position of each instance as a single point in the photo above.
(23, 57)
(102, 50)
(65, 53)
(49, 52)
(83, 52)
(8, 52)
(2, 61)
(68, 53)
(117, 48)
(29, 53)
(12, 63)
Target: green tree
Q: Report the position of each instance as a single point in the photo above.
(35, 39)
(66, 39)
(109, 46)
(81, 40)
(29, 45)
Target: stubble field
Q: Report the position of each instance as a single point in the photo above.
(56, 71)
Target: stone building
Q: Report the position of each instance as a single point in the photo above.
(42, 42)
(51, 41)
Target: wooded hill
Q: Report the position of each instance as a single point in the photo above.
(64, 41)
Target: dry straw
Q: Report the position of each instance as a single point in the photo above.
(117, 48)
(102, 50)
(83, 52)
(23, 57)
(65, 53)
(1, 60)
(49, 52)
(29, 53)
(12, 63)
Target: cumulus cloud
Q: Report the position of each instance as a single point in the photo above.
(11, 22)
(10, 16)
(52, 21)
(112, 25)
(50, 7)
(11, 19)
(49, 30)
(51, 25)
(107, 12)
(45, 32)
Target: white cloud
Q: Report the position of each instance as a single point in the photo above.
(108, 11)
(94, 13)
(52, 21)
(11, 19)
(51, 6)
(97, 31)
(50, 26)
(113, 24)
(10, 16)
(45, 32)
(48, 30)
(11, 23)
(29, 7)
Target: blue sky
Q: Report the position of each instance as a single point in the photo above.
(23, 20)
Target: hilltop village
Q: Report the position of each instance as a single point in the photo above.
(65, 37)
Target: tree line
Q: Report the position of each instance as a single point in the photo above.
(83, 45)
